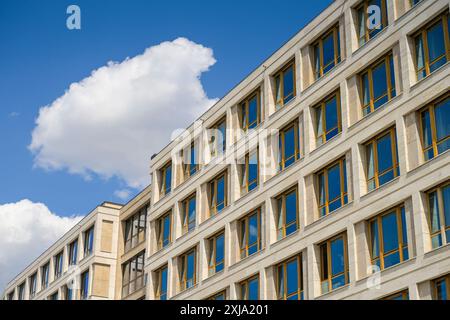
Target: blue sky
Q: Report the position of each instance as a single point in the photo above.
(40, 58)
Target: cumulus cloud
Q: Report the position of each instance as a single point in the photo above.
(27, 229)
(123, 194)
(110, 123)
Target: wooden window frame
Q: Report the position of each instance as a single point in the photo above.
(321, 105)
(245, 285)
(164, 189)
(279, 77)
(183, 272)
(190, 169)
(404, 294)
(214, 142)
(159, 272)
(386, 60)
(246, 170)
(282, 211)
(400, 246)
(212, 253)
(434, 282)
(329, 276)
(213, 186)
(244, 111)
(442, 228)
(395, 165)
(319, 45)
(443, 19)
(368, 33)
(161, 230)
(343, 194)
(434, 143)
(245, 222)
(300, 284)
(282, 144)
(186, 224)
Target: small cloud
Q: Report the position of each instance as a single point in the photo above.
(123, 194)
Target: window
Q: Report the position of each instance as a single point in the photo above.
(217, 189)
(33, 285)
(53, 296)
(249, 172)
(250, 111)
(250, 288)
(45, 270)
(290, 279)
(218, 140)
(377, 84)
(166, 179)
(189, 213)
(366, 19)
(327, 116)
(133, 274)
(58, 262)
(216, 257)
(89, 241)
(432, 46)
(161, 284)
(73, 253)
(190, 161)
(164, 230)
(332, 183)
(84, 292)
(68, 292)
(414, 2)
(402, 295)
(250, 234)
(388, 239)
(439, 215)
(21, 292)
(289, 145)
(441, 288)
(135, 227)
(285, 85)
(381, 159)
(219, 296)
(334, 263)
(435, 128)
(188, 270)
(327, 52)
(10, 295)
(287, 215)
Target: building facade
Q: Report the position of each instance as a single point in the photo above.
(325, 174)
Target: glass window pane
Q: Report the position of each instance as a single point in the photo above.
(334, 182)
(220, 248)
(374, 240)
(331, 116)
(384, 150)
(292, 277)
(365, 93)
(289, 145)
(390, 233)
(337, 256)
(436, 42)
(426, 129)
(291, 207)
(328, 52)
(446, 201)
(420, 58)
(379, 83)
(280, 282)
(442, 116)
(221, 193)
(253, 289)
(288, 83)
(253, 112)
(441, 290)
(317, 61)
(435, 223)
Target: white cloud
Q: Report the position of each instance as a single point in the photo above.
(27, 229)
(123, 194)
(113, 121)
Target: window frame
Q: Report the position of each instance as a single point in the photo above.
(378, 219)
(282, 144)
(300, 282)
(244, 109)
(245, 222)
(446, 279)
(443, 19)
(183, 272)
(282, 196)
(161, 230)
(136, 282)
(212, 201)
(73, 253)
(245, 284)
(45, 275)
(430, 108)
(84, 291)
(88, 234)
(214, 143)
(344, 186)
(391, 91)
(189, 168)
(33, 285)
(21, 291)
(319, 44)
(133, 240)
(441, 214)
(58, 264)
(395, 164)
(322, 105)
(404, 294)
(245, 169)
(164, 189)
(329, 275)
(218, 294)
(367, 33)
(279, 76)
(159, 273)
(212, 253)
(186, 224)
